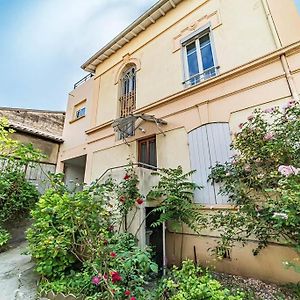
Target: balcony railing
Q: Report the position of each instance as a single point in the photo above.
(127, 103)
(197, 78)
(83, 80)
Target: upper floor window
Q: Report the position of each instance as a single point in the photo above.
(199, 58)
(128, 99)
(80, 112)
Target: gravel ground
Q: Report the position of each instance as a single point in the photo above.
(256, 288)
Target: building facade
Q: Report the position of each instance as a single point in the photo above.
(172, 88)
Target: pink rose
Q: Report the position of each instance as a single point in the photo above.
(288, 170)
(247, 168)
(269, 136)
(288, 105)
(96, 280)
(269, 110)
(250, 118)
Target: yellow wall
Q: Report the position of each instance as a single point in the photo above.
(235, 26)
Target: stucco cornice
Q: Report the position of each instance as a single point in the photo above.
(154, 13)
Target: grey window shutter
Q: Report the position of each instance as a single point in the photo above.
(208, 145)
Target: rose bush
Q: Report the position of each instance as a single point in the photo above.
(262, 180)
(76, 243)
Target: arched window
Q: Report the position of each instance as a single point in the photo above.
(128, 84)
(127, 99)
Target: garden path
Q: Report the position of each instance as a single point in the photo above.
(17, 278)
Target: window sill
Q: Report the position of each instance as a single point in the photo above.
(77, 119)
(187, 83)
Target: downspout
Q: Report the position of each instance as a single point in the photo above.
(284, 62)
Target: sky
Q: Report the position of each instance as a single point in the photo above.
(43, 43)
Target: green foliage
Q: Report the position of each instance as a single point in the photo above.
(97, 279)
(262, 181)
(176, 192)
(128, 197)
(192, 283)
(76, 248)
(4, 237)
(17, 195)
(68, 227)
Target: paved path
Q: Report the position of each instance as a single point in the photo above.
(17, 278)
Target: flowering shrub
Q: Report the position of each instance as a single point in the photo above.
(262, 180)
(119, 276)
(192, 283)
(129, 197)
(76, 245)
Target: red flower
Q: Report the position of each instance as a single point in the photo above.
(113, 254)
(105, 276)
(132, 298)
(126, 177)
(139, 201)
(127, 293)
(122, 199)
(115, 276)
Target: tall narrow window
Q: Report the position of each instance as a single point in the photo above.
(147, 152)
(128, 99)
(199, 59)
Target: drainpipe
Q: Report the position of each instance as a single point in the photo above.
(284, 63)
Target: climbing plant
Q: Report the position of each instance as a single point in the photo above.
(262, 180)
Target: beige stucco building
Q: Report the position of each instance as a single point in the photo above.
(199, 67)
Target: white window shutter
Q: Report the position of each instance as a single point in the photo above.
(208, 145)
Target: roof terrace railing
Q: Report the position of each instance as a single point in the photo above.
(83, 80)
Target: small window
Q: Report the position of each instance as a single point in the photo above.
(199, 59)
(147, 152)
(80, 113)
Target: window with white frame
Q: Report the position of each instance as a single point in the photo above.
(199, 60)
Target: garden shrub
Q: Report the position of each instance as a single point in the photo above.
(67, 227)
(262, 180)
(17, 195)
(193, 283)
(176, 193)
(121, 271)
(75, 242)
